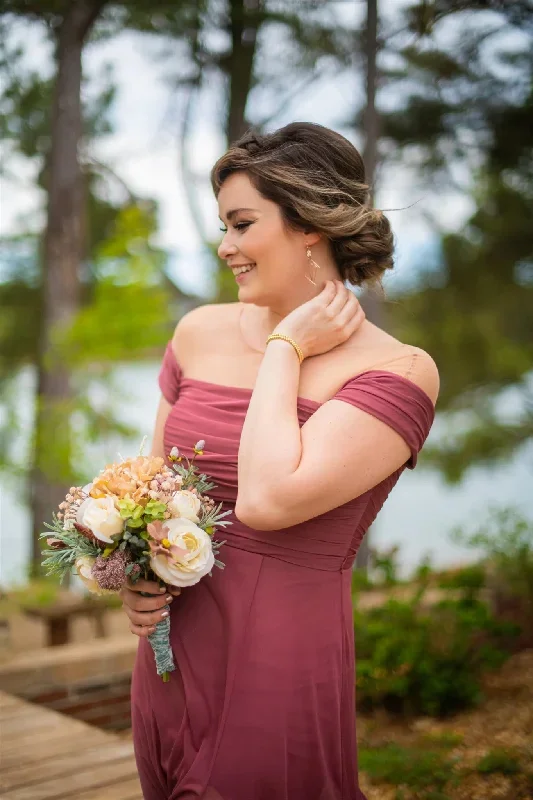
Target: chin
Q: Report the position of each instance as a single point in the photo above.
(254, 298)
(249, 295)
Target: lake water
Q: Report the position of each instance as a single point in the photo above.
(418, 515)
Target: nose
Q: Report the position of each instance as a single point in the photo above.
(226, 248)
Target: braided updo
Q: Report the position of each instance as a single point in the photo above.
(317, 178)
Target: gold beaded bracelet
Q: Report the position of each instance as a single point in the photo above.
(290, 341)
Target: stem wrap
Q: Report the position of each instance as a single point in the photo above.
(160, 642)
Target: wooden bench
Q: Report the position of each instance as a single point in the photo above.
(58, 615)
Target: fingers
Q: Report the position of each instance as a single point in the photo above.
(141, 631)
(339, 299)
(328, 293)
(150, 587)
(137, 602)
(146, 619)
(145, 612)
(352, 315)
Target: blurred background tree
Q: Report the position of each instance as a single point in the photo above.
(463, 76)
(77, 262)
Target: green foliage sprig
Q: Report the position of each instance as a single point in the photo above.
(61, 562)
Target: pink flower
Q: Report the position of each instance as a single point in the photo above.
(160, 544)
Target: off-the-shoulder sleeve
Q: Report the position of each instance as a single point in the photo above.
(396, 401)
(170, 376)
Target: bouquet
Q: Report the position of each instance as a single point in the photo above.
(139, 518)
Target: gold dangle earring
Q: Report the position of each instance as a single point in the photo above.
(313, 266)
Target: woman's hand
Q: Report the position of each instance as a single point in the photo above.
(324, 322)
(145, 612)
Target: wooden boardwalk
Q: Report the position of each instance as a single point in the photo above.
(45, 755)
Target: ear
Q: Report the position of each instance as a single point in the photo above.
(312, 237)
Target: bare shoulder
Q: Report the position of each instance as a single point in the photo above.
(387, 353)
(418, 366)
(424, 372)
(203, 321)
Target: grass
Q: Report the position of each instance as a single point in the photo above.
(428, 771)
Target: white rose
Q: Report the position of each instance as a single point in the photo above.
(188, 568)
(101, 517)
(185, 504)
(84, 566)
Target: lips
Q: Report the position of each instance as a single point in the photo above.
(243, 269)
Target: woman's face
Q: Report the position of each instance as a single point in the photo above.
(256, 236)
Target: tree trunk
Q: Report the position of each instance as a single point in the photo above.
(371, 116)
(62, 254)
(245, 19)
(370, 301)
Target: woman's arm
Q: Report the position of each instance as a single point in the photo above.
(163, 411)
(288, 475)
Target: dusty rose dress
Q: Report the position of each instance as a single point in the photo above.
(262, 704)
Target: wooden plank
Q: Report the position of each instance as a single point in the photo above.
(124, 790)
(48, 756)
(63, 741)
(8, 701)
(38, 721)
(15, 712)
(91, 777)
(63, 764)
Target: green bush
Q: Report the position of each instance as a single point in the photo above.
(470, 578)
(413, 661)
(384, 566)
(505, 539)
(501, 761)
(361, 582)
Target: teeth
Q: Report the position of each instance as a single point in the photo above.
(240, 270)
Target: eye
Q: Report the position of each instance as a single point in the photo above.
(239, 226)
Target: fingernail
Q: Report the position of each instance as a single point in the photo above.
(162, 589)
(151, 630)
(164, 614)
(168, 598)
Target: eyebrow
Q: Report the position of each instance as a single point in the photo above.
(234, 211)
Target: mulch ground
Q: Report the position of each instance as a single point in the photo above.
(504, 723)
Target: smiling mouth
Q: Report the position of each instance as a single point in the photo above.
(243, 270)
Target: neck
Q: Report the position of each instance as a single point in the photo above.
(275, 312)
(268, 317)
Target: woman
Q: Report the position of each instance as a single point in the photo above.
(305, 437)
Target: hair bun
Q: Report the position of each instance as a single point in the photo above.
(367, 254)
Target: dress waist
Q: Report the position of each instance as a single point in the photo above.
(309, 545)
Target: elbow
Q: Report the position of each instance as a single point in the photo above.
(260, 515)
